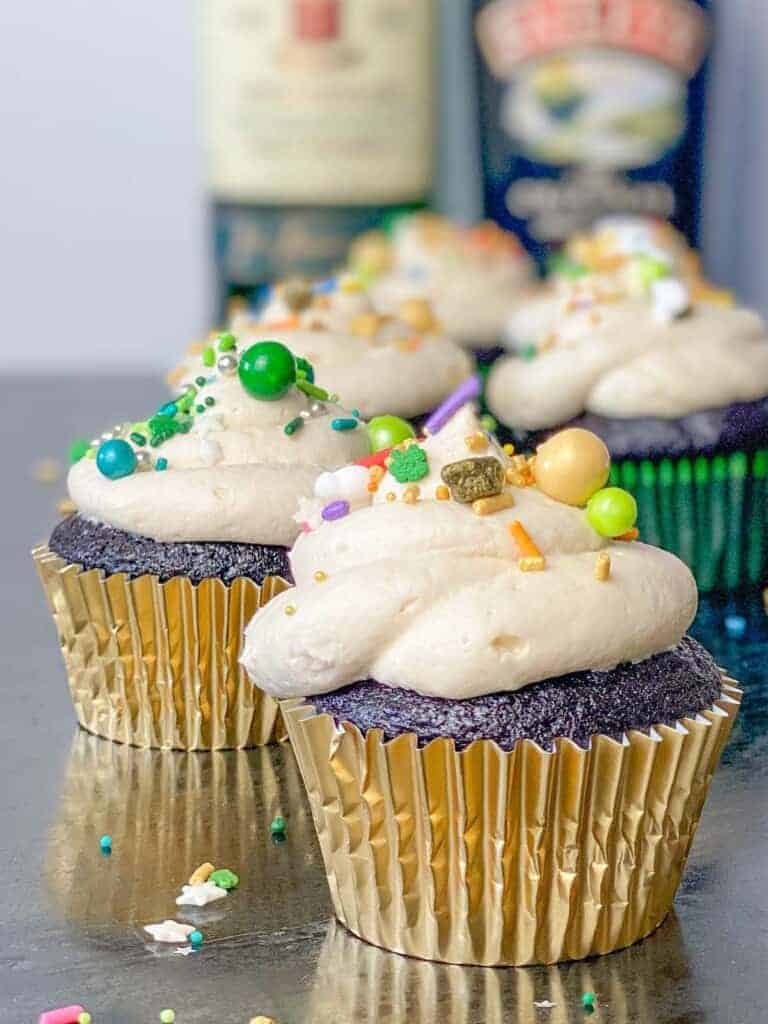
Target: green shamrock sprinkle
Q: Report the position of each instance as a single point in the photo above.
(408, 465)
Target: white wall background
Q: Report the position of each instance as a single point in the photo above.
(102, 226)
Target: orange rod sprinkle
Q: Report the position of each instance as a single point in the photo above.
(529, 552)
(632, 534)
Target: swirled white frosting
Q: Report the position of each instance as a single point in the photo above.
(395, 369)
(615, 359)
(473, 276)
(235, 477)
(429, 596)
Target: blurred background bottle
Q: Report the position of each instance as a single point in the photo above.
(589, 108)
(318, 118)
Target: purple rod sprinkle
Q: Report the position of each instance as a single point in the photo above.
(336, 510)
(464, 393)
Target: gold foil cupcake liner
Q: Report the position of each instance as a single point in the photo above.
(168, 812)
(157, 664)
(488, 857)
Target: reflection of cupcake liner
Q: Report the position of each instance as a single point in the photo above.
(167, 812)
(156, 664)
(376, 987)
(711, 512)
(487, 857)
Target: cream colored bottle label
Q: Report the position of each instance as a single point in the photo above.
(317, 101)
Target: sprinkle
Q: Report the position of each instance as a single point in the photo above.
(62, 1015)
(210, 401)
(77, 450)
(602, 567)
(277, 825)
(411, 494)
(138, 439)
(735, 625)
(196, 938)
(106, 844)
(342, 423)
(366, 325)
(632, 534)
(377, 459)
(466, 392)
(201, 381)
(391, 496)
(543, 1004)
(84, 1018)
(167, 1016)
(170, 931)
(531, 559)
(376, 473)
(262, 1020)
(335, 510)
(313, 390)
(442, 493)
(496, 503)
(588, 1000)
(201, 874)
(477, 442)
(320, 576)
(161, 464)
(408, 465)
(225, 879)
(293, 425)
(227, 342)
(199, 408)
(290, 609)
(168, 410)
(481, 476)
(200, 895)
(489, 423)
(209, 356)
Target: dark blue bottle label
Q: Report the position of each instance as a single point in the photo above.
(590, 107)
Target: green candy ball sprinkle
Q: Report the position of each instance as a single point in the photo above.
(612, 511)
(277, 825)
(227, 342)
(267, 370)
(224, 878)
(167, 1016)
(84, 1018)
(77, 450)
(387, 431)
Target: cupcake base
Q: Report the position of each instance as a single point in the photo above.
(156, 663)
(488, 857)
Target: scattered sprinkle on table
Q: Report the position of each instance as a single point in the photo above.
(63, 1015)
(106, 844)
(277, 825)
(167, 1016)
(224, 878)
(735, 625)
(84, 1018)
(196, 938)
(201, 873)
(589, 1000)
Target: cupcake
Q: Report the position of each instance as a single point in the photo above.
(182, 528)
(400, 363)
(505, 733)
(473, 276)
(637, 348)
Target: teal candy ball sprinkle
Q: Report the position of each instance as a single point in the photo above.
(196, 938)
(115, 459)
(267, 370)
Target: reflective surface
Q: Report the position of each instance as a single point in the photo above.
(72, 919)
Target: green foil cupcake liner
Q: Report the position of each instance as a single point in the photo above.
(710, 511)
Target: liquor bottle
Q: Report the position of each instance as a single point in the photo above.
(590, 107)
(318, 122)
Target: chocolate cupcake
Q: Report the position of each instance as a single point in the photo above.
(473, 275)
(400, 363)
(631, 343)
(505, 733)
(181, 533)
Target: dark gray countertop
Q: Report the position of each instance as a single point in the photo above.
(71, 918)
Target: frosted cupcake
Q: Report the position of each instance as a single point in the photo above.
(400, 363)
(508, 736)
(674, 377)
(473, 276)
(181, 532)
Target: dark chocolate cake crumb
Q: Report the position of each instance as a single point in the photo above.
(98, 546)
(742, 426)
(658, 691)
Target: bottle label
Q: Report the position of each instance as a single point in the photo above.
(588, 110)
(317, 101)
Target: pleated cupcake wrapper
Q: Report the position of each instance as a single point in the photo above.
(487, 857)
(156, 664)
(711, 512)
(167, 812)
(374, 986)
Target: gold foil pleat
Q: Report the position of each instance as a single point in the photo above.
(487, 857)
(157, 664)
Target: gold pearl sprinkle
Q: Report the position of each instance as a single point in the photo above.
(320, 576)
(411, 494)
(290, 609)
(603, 566)
(486, 506)
(477, 442)
(442, 493)
(391, 496)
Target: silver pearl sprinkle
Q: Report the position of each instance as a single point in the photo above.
(305, 414)
(107, 435)
(227, 364)
(96, 442)
(143, 459)
(318, 409)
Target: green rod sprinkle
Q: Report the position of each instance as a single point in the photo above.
(295, 424)
(312, 390)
